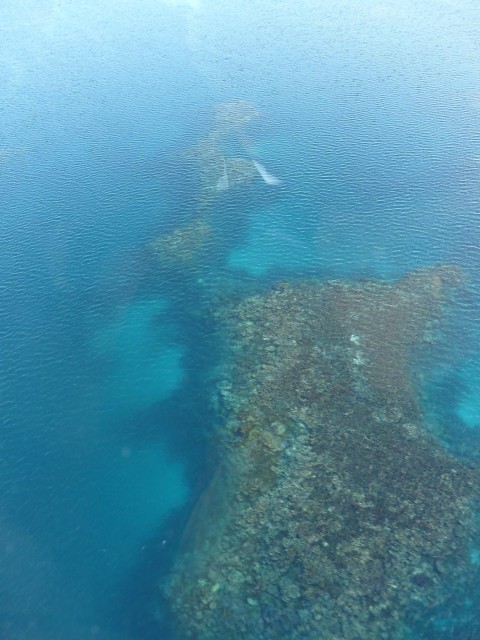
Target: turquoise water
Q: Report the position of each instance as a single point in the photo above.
(369, 117)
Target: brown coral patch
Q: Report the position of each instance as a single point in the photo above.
(343, 518)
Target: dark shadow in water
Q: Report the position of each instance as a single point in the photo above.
(445, 384)
(458, 620)
(185, 422)
(139, 611)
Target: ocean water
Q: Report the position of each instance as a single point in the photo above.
(368, 116)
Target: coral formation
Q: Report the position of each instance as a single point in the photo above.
(237, 113)
(334, 513)
(213, 166)
(183, 245)
(211, 158)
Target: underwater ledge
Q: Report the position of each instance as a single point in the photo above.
(334, 512)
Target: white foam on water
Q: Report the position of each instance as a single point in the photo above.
(268, 178)
(223, 183)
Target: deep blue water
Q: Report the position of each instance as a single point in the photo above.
(370, 115)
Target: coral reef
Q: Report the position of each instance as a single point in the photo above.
(183, 245)
(216, 171)
(334, 513)
(237, 113)
(211, 158)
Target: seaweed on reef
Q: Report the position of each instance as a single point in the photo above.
(334, 513)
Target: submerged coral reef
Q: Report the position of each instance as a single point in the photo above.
(334, 513)
(216, 171)
(237, 113)
(213, 161)
(182, 245)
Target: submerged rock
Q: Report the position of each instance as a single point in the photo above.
(334, 514)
